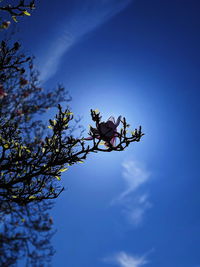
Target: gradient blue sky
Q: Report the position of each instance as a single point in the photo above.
(139, 59)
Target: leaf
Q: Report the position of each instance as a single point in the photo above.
(102, 143)
(32, 197)
(26, 13)
(80, 161)
(6, 146)
(50, 127)
(52, 189)
(14, 196)
(96, 111)
(63, 170)
(58, 178)
(23, 220)
(14, 18)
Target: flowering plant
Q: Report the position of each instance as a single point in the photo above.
(107, 131)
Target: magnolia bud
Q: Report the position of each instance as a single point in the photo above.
(5, 24)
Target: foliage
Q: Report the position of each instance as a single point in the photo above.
(30, 173)
(25, 234)
(15, 9)
(32, 155)
(25, 230)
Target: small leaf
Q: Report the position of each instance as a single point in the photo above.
(14, 18)
(96, 111)
(52, 189)
(102, 143)
(26, 13)
(14, 196)
(23, 220)
(80, 161)
(58, 178)
(63, 170)
(6, 146)
(50, 127)
(32, 197)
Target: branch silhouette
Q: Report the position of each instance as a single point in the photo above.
(33, 156)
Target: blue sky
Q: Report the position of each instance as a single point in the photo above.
(139, 59)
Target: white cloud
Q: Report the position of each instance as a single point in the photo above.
(135, 175)
(136, 207)
(133, 199)
(123, 259)
(88, 16)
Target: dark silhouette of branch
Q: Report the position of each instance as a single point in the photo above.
(34, 155)
(25, 230)
(15, 9)
(25, 233)
(31, 174)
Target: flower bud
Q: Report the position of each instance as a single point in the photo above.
(5, 24)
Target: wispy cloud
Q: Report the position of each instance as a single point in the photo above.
(87, 17)
(134, 200)
(135, 175)
(123, 259)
